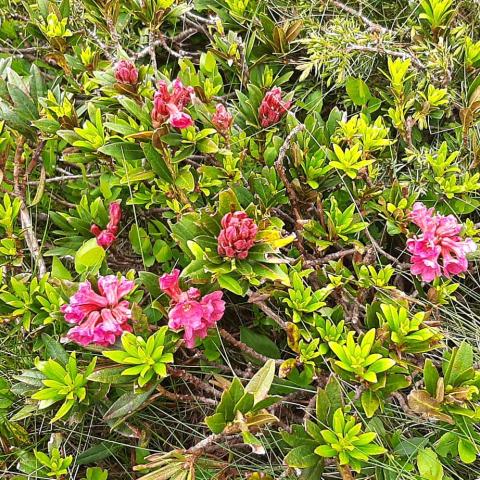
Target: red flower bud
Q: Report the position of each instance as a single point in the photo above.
(222, 119)
(105, 238)
(272, 108)
(237, 235)
(169, 105)
(126, 72)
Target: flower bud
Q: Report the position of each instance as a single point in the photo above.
(222, 119)
(272, 108)
(237, 235)
(126, 72)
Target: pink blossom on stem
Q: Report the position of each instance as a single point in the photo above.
(272, 108)
(106, 237)
(99, 317)
(168, 105)
(189, 311)
(237, 235)
(126, 72)
(439, 250)
(222, 119)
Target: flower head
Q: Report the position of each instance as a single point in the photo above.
(100, 317)
(439, 250)
(126, 72)
(189, 311)
(222, 119)
(169, 104)
(170, 284)
(237, 235)
(272, 108)
(106, 237)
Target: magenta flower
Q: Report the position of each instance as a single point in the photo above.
(189, 311)
(169, 105)
(237, 235)
(169, 284)
(106, 237)
(222, 119)
(439, 250)
(100, 317)
(272, 108)
(126, 72)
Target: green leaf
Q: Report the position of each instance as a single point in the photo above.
(54, 349)
(232, 285)
(261, 382)
(260, 343)
(157, 162)
(430, 377)
(89, 257)
(216, 423)
(96, 453)
(358, 91)
(59, 271)
(429, 466)
(467, 450)
(301, 457)
(460, 365)
(110, 375)
(127, 404)
(370, 403)
(185, 180)
(123, 151)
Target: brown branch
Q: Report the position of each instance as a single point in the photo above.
(371, 25)
(25, 219)
(192, 379)
(280, 169)
(245, 348)
(379, 49)
(258, 301)
(65, 178)
(179, 397)
(380, 250)
(329, 257)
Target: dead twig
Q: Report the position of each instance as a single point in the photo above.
(370, 24)
(245, 348)
(258, 300)
(25, 219)
(384, 51)
(328, 258)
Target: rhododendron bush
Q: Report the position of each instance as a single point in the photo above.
(239, 240)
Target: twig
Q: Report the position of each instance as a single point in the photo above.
(256, 300)
(189, 378)
(179, 397)
(280, 169)
(25, 219)
(394, 53)
(379, 249)
(65, 178)
(329, 257)
(372, 25)
(151, 49)
(201, 446)
(245, 348)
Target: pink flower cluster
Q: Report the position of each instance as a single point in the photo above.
(222, 119)
(190, 311)
(100, 317)
(126, 72)
(439, 250)
(272, 108)
(169, 105)
(106, 237)
(237, 235)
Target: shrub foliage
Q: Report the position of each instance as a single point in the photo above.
(238, 239)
